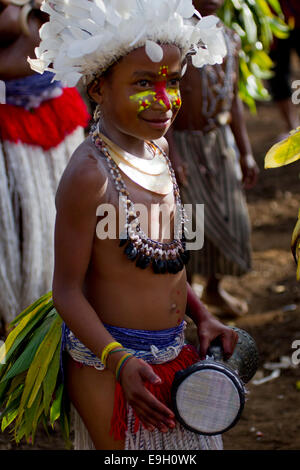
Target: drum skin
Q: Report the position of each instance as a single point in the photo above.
(208, 397)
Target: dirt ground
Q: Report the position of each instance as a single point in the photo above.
(271, 418)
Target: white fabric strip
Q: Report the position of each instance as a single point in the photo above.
(29, 179)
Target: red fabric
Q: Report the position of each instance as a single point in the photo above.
(166, 372)
(46, 126)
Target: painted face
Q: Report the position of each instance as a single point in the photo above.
(141, 98)
(165, 92)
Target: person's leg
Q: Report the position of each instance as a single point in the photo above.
(280, 83)
(92, 393)
(289, 113)
(213, 294)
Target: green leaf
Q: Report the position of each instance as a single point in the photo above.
(52, 340)
(50, 380)
(237, 4)
(262, 60)
(20, 432)
(65, 419)
(31, 416)
(25, 359)
(10, 416)
(256, 22)
(250, 25)
(38, 303)
(3, 389)
(45, 424)
(279, 28)
(13, 384)
(264, 7)
(11, 410)
(275, 5)
(284, 152)
(40, 363)
(238, 29)
(26, 327)
(56, 405)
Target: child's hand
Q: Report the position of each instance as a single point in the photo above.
(210, 329)
(151, 412)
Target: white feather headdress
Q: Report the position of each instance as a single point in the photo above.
(83, 38)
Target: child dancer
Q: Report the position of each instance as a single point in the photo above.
(123, 306)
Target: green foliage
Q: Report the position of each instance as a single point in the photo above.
(283, 153)
(30, 388)
(256, 22)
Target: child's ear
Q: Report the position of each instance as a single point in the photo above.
(94, 91)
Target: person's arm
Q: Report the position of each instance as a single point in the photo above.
(79, 194)
(178, 165)
(208, 327)
(238, 126)
(248, 165)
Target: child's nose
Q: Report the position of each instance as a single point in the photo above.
(162, 96)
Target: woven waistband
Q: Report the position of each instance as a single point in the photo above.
(154, 346)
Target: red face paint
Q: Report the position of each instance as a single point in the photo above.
(161, 94)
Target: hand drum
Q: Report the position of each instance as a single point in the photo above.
(208, 397)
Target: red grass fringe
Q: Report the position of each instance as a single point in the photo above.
(166, 372)
(46, 126)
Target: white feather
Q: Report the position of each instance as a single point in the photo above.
(183, 70)
(86, 36)
(186, 8)
(37, 65)
(154, 51)
(71, 79)
(97, 15)
(87, 46)
(208, 22)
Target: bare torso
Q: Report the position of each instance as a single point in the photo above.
(121, 293)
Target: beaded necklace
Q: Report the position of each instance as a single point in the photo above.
(162, 257)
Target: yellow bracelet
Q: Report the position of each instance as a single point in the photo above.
(109, 347)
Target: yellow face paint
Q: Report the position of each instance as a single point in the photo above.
(163, 71)
(144, 99)
(168, 98)
(175, 97)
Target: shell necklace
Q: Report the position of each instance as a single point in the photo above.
(162, 257)
(152, 175)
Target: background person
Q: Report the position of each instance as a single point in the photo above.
(40, 126)
(212, 154)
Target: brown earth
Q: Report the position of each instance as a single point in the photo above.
(271, 418)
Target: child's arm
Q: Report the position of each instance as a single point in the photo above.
(78, 196)
(209, 328)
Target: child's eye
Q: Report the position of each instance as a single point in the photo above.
(144, 83)
(174, 82)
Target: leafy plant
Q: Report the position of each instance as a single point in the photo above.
(31, 389)
(256, 22)
(283, 153)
